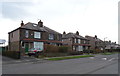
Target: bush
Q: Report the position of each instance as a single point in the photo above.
(63, 49)
(86, 51)
(76, 53)
(12, 54)
(51, 48)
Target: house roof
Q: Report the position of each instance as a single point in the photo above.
(73, 35)
(33, 26)
(89, 37)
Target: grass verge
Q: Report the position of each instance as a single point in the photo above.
(108, 53)
(70, 57)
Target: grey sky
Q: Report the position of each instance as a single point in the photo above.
(89, 17)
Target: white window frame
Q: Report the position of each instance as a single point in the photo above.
(80, 48)
(26, 33)
(39, 46)
(51, 36)
(75, 40)
(79, 41)
(84, 41)
(37, 35)
(73, 47)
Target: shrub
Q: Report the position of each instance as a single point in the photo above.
(63, 49)
(86, 51)
(76, 53)
(51, 48)
(12, 54)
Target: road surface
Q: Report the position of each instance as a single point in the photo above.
(100, 64)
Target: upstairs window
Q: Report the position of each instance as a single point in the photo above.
(37, 35)
(79, 41)
(26, 33)
(84, 41)
(75, 40)
(51, 36)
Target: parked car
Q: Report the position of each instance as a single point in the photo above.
(34, 51)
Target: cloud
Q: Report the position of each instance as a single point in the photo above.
(14, 10)
(89, 17)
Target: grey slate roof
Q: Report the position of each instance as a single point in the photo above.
(34, 26)
(73, 35)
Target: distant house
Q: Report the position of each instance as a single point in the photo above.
(95, 42)
(111, 45)
(31, 35)
(77, 42)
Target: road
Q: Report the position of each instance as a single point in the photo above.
(100, 64)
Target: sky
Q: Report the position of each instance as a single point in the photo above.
(89, 17)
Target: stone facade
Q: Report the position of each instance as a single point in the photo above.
(25, 37)
(95, 42)
(77, 42)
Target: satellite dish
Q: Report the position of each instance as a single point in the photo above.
(2, 41)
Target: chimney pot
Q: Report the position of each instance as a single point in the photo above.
(95, 36)
(64, 32)
(22, 23)
(40, 23)
(77, 33)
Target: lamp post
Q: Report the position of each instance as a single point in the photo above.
(104, 44)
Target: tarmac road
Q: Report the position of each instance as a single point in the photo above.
(100, 64)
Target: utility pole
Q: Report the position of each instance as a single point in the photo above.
(104, 44)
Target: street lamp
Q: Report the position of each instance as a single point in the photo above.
(104, 44)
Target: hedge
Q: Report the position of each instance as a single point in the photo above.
(11, 54)
(56, 49)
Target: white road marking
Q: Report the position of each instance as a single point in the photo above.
(111, 59)
(37, 59)
(18, 61)
(91, 57)
(104, 58)
(27, 60)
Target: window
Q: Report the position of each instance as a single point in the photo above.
(80, 48)
(74, 40)
(22, 44)
(38, 46)
(79, 41)
(51, 37)
(84, 41)
(37, 34)
(73, 47)
(26, 33)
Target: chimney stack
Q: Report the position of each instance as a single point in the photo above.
(64, 32)
(40, 23)
(77, 33)
(22, 23)
(95, 36)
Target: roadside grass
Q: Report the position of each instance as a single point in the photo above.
(109, 53)
(70, 57)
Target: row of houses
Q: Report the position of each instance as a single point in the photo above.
(32, 35)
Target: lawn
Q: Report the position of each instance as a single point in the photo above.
(109, 53)
(70, 57)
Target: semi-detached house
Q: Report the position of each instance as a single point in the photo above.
(75, 41)
(31, 35)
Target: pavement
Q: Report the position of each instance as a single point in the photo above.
(24, 59)
(100, 64)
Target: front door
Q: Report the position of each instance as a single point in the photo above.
(26, 47)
